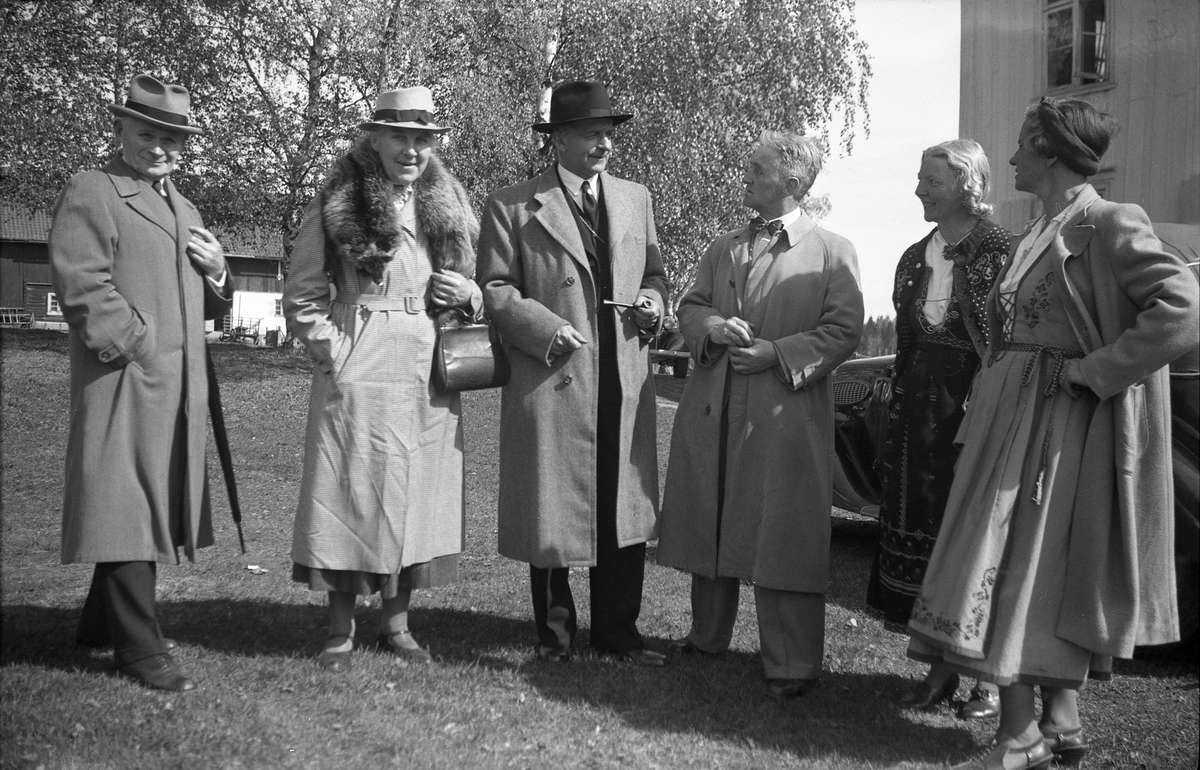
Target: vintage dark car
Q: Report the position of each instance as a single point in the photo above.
(862, 390)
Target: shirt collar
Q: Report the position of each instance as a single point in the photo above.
(573, 182)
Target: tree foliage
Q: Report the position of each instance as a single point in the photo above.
(280, 84)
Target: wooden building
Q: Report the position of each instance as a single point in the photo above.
(1138, 60)
(255, 262)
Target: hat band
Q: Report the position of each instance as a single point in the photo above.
(153, 112)
(403, 116)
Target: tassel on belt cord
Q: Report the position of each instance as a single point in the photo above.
(1060, 356)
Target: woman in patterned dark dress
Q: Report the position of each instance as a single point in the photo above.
(941, 284)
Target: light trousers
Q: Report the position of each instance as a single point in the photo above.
(791, 625)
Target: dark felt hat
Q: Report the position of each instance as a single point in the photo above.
(165, 105)
(579, 100)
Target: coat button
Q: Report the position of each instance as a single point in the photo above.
(566, 380)
(570, 281)
(106, 357)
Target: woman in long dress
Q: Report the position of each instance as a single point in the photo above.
(381, 501)
(1055, 552)
(941, 284)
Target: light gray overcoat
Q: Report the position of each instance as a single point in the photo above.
(774, 529)
(535, 278)
(136, 487)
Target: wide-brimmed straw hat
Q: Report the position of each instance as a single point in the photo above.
(405, 108)
(579, 100)
(165, 105)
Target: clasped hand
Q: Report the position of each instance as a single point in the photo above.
(747, 355)
(449, 289)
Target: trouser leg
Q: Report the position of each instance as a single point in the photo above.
(791, 632)
(714, 610)
(128, 593)
(616, 580)
(553, 606)
(93, 618)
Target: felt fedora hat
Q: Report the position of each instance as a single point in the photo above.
(165, 105)
(579, 100)
(405, 108)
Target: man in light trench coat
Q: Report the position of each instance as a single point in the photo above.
(775, 307)
(136, 275)
(573, 280)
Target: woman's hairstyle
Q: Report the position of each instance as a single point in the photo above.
(1071, 130)
(799, 156)
(972, 173)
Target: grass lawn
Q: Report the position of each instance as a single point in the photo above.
(250, 636)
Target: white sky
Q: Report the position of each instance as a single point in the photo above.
(913, 102)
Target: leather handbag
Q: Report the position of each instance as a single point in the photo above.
(468, 356)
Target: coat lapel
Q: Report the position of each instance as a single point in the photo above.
(137, 195)
(1072, 241)
(554, 214)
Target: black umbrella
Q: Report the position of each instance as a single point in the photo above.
(218, 423)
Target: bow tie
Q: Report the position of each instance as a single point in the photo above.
(758, 223)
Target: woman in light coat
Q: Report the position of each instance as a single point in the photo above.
(1056, 550)
(381, 501)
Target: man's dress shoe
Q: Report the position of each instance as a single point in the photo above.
(789, 688)
(554, 654)
(1069, 747)
(642, 657)
(158, 672)
(923, 696)
(984, 704)
(684, 646)
(1000, 757)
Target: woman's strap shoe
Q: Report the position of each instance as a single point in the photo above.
(405, 648)
(1035, 756)
(922, 696)
(1069, 748)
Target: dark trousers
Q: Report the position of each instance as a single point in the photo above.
(119, 610)
(616, 580)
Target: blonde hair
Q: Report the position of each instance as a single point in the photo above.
(971, 171)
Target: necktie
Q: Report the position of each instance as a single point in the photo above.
(590, 210)
(158, 187)
(758, 223)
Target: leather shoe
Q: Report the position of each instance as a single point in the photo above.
(642, 657)
(336, 661)
(789, 688)
(405, 648)
(158, 672)
(684, 646)
(1068, 748)
(984, 704)
(169, 645)
(923, 696)
(1001, 757)
(554, 654)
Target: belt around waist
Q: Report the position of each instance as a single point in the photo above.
(410, 305)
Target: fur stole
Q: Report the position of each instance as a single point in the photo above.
(361, 225)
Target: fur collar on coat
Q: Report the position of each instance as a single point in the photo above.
(361, 225)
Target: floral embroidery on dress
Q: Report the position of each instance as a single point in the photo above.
(922, 615)
(1039, 300)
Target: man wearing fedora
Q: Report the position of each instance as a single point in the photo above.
(573, 280)
(136, 275)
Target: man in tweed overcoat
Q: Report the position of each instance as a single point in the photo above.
(573, 280)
